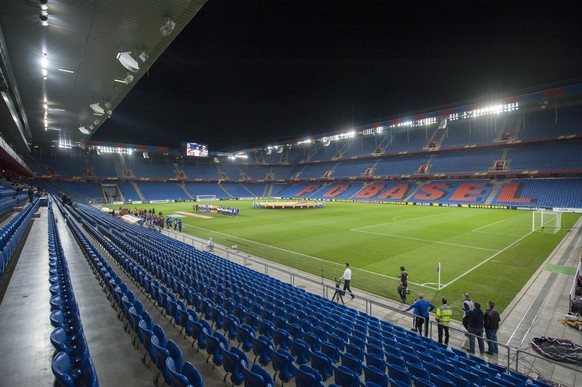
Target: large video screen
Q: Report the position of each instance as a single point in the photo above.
(196, 150)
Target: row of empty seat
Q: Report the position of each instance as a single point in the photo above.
(12, 232)
(71, 364)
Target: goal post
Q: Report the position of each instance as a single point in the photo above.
(546, 220)
(206, 198)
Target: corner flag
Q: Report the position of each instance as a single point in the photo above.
(439, 271)
(439, 267)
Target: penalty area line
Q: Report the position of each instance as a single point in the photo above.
(487, 260)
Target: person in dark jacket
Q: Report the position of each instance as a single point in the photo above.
(402, 287)
(475, 322)
(421, 309)
(491, 323)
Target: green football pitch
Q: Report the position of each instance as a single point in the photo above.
(489, 253)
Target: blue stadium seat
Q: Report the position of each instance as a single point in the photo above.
(306, 376)
(375, 375)
(322, 363)
(345, 377)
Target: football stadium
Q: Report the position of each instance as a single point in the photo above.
(304, 259)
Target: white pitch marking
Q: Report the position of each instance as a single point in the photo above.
(425, 240)
(401, 221)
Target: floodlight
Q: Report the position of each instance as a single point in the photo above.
(143, 56)
(128, 79)
(168, 27)
(325, 141)
(127, 61)
(83, 129)
(97, 109)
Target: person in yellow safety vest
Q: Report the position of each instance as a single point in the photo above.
(443, 318)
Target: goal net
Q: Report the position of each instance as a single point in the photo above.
(205, 198)
(546, 220)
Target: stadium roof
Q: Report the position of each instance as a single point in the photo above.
(244, 74)
(59, 77)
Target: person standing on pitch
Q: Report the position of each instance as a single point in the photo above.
(347, 277)
(443, 318)
(402, 287)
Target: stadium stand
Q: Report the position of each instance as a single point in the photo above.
(519, 160)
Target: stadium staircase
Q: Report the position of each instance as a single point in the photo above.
(183, 186)
(224, 189)
(438, 141)
(415, 190)
(119, 165)
(251, 194)
(496, 187)
(138, 191)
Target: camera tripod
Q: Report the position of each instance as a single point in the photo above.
(339, 294)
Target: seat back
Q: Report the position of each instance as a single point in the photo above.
(161, 353)
(175, 353)
(442, 381)
(375, 375)
(260, 345)
(322, 363)
(61, 366)
(330, 350)
(283, 364)
(351, 362)
(376, 361)
(344, 377)
(306, 376)
(300, 350)
(177, 379)
(192, 374)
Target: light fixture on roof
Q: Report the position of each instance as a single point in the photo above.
(127, 61)
(97, 109)
(143, 56)
(43, 13)
(168, 27)
(83, 129)
(128, 79)
(108, 110)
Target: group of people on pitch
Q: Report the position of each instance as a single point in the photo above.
(474, 320)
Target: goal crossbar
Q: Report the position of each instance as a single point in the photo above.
(202, 198)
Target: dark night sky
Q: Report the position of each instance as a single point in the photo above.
(247, 73)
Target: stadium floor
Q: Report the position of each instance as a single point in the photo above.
(25, 327)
